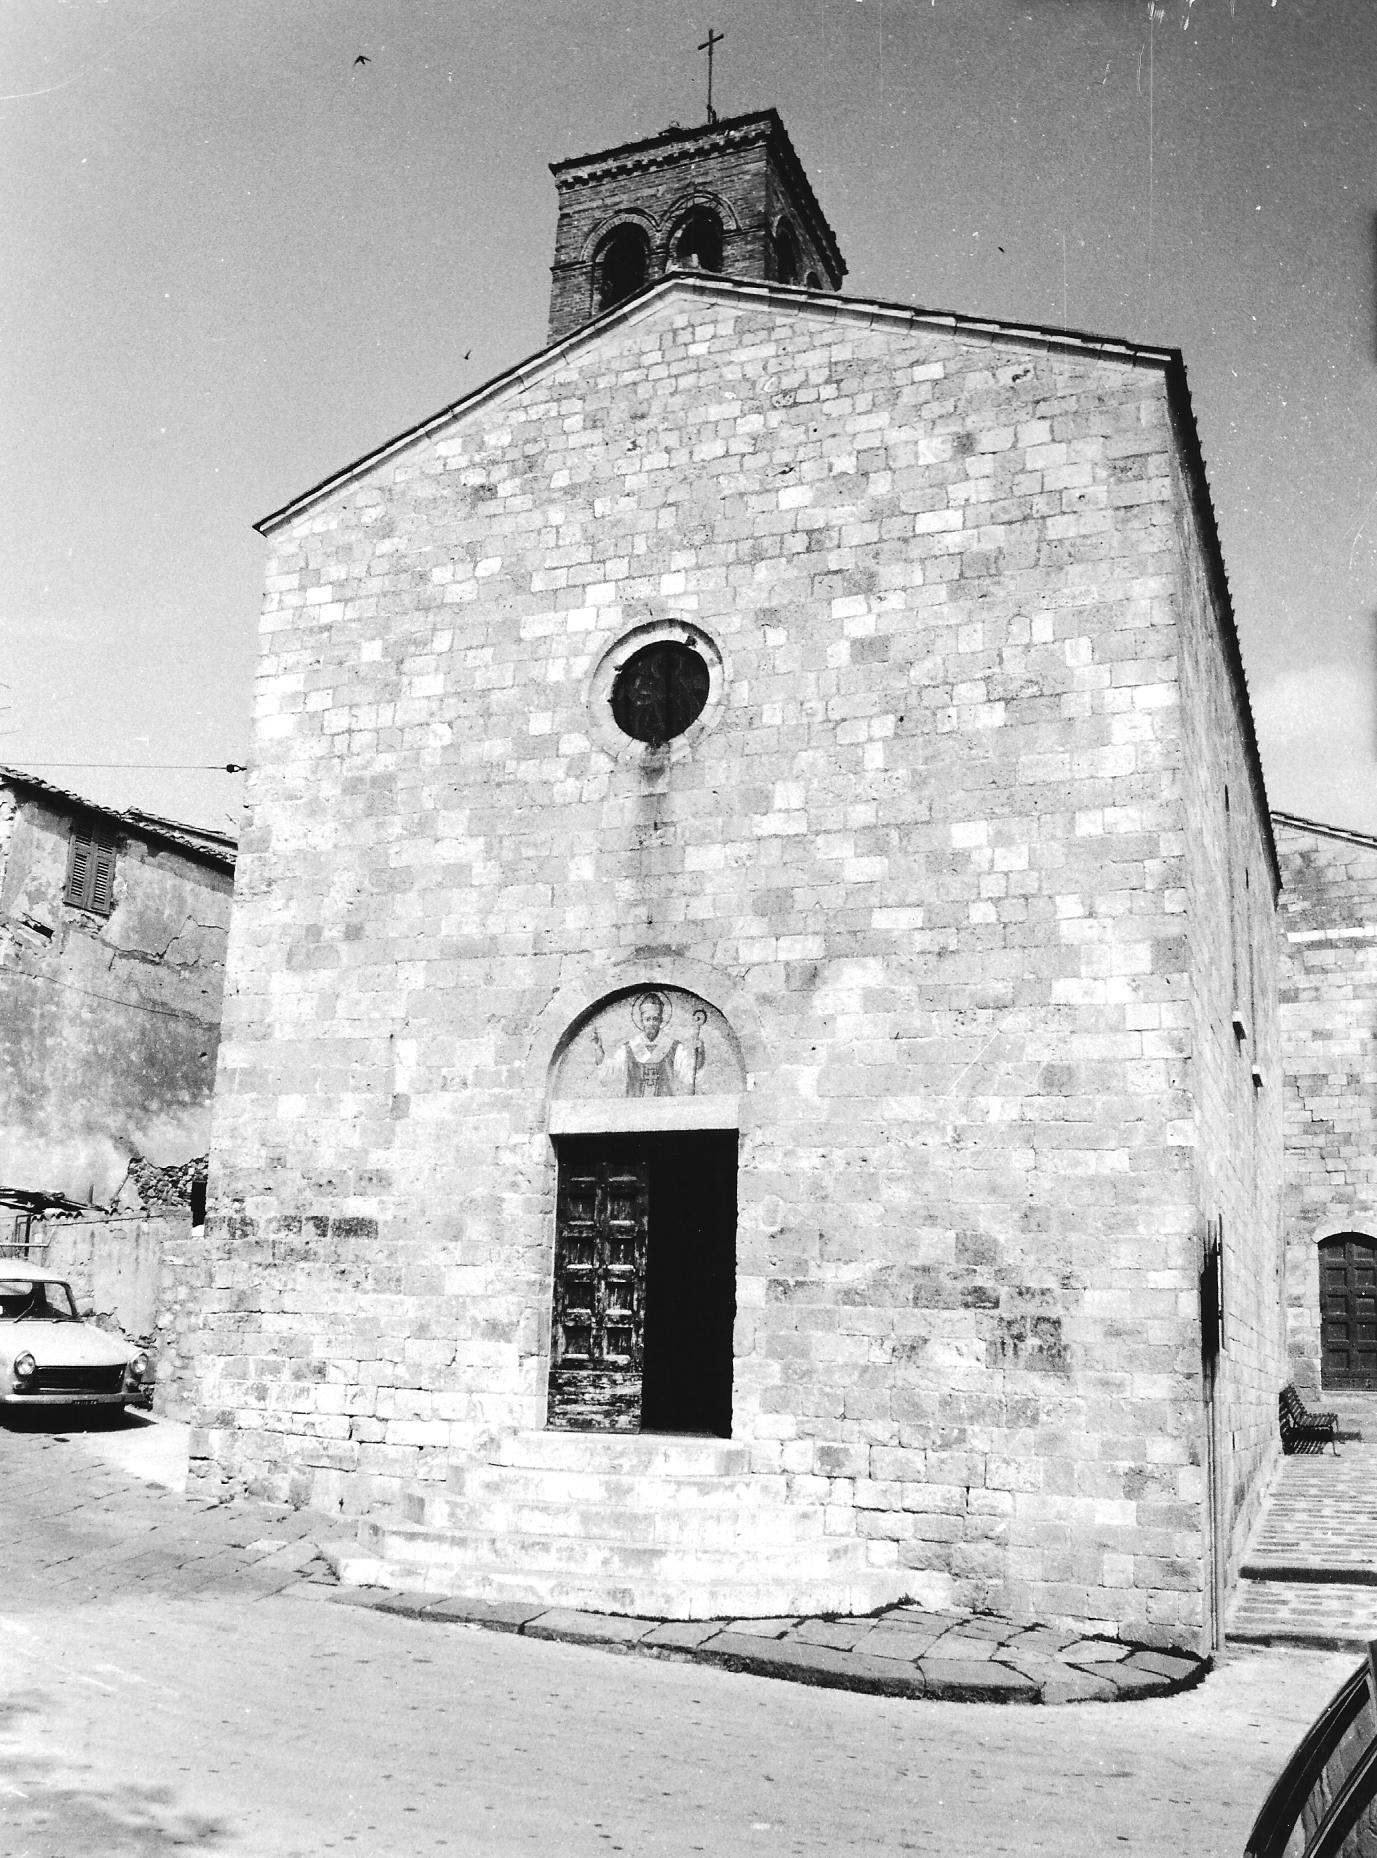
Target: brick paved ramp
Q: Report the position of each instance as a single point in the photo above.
(1310, 1573)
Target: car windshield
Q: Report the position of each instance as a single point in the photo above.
(24, 1300)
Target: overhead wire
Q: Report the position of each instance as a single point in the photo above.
(144, 767)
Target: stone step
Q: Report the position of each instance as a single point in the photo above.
(624, 1454)
(747, 1528)
(619, 1492)
(1313, 1613)
(630, 1522)
(389, 1539)
(782, 1598)
(838, 1577)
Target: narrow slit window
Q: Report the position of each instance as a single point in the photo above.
(91, 868)
(788, 258)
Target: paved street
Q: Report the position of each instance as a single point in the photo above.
(175, 1678)
(1311, 1565)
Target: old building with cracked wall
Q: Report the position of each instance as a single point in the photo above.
(752, 1002)
(112, 952)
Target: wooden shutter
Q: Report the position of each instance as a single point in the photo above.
(102, 875)
(91, 867)
(79, 869)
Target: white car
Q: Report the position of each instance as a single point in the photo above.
(50, 1357)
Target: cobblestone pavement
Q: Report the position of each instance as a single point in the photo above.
(75, 1527)
(1310, 1573)
(177, 1677)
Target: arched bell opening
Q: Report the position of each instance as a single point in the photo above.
(788, 257)
(696, 244)
(621, 268)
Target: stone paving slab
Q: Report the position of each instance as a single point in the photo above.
(897, 1652)
(683, 1634)
(802, 1663)
(496, 1615)
(588, 1628)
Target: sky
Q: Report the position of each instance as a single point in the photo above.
(236, 259)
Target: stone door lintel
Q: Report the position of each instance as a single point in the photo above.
(643, 1115)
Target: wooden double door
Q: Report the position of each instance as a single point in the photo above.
(645, 1283)
(1348, 1312)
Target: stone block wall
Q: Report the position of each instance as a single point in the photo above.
(1329, 1031)
(927, 852)
(1232, 1054)
(108, 1023)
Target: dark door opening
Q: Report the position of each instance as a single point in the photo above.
(645, 1283)
(1348, 1312)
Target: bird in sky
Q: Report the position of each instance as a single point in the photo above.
(363, 59)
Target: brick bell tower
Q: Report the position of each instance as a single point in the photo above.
(730, 196)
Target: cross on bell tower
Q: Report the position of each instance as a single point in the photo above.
(713, 38)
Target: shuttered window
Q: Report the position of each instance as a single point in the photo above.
(91, 867)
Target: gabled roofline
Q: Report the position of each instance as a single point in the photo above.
(1183, 414)
(217, 848)
(868, 312)
(874, 313)
(1349, 834)
(677, 144)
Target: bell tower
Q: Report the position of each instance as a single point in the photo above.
(729, 196)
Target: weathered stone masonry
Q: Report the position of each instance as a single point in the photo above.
(1235, 1063)
(109, 1016)
(1329, 1021)
(944, 852)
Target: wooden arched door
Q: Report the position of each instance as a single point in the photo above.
(1348, 1311)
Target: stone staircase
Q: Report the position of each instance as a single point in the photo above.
(652, 1524)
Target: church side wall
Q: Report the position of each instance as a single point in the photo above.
(1329, 1031)
(1236, 1084)
(927, 855)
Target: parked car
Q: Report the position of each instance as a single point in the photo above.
(1324, 1804)
(50, 1357)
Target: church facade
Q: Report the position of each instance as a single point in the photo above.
(750, 1076)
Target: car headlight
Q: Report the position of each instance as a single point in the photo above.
(137, 1368)
(25, 1367)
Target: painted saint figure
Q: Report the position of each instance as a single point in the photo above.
(651, 1063)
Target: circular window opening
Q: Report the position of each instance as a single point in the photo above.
(659, 691)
